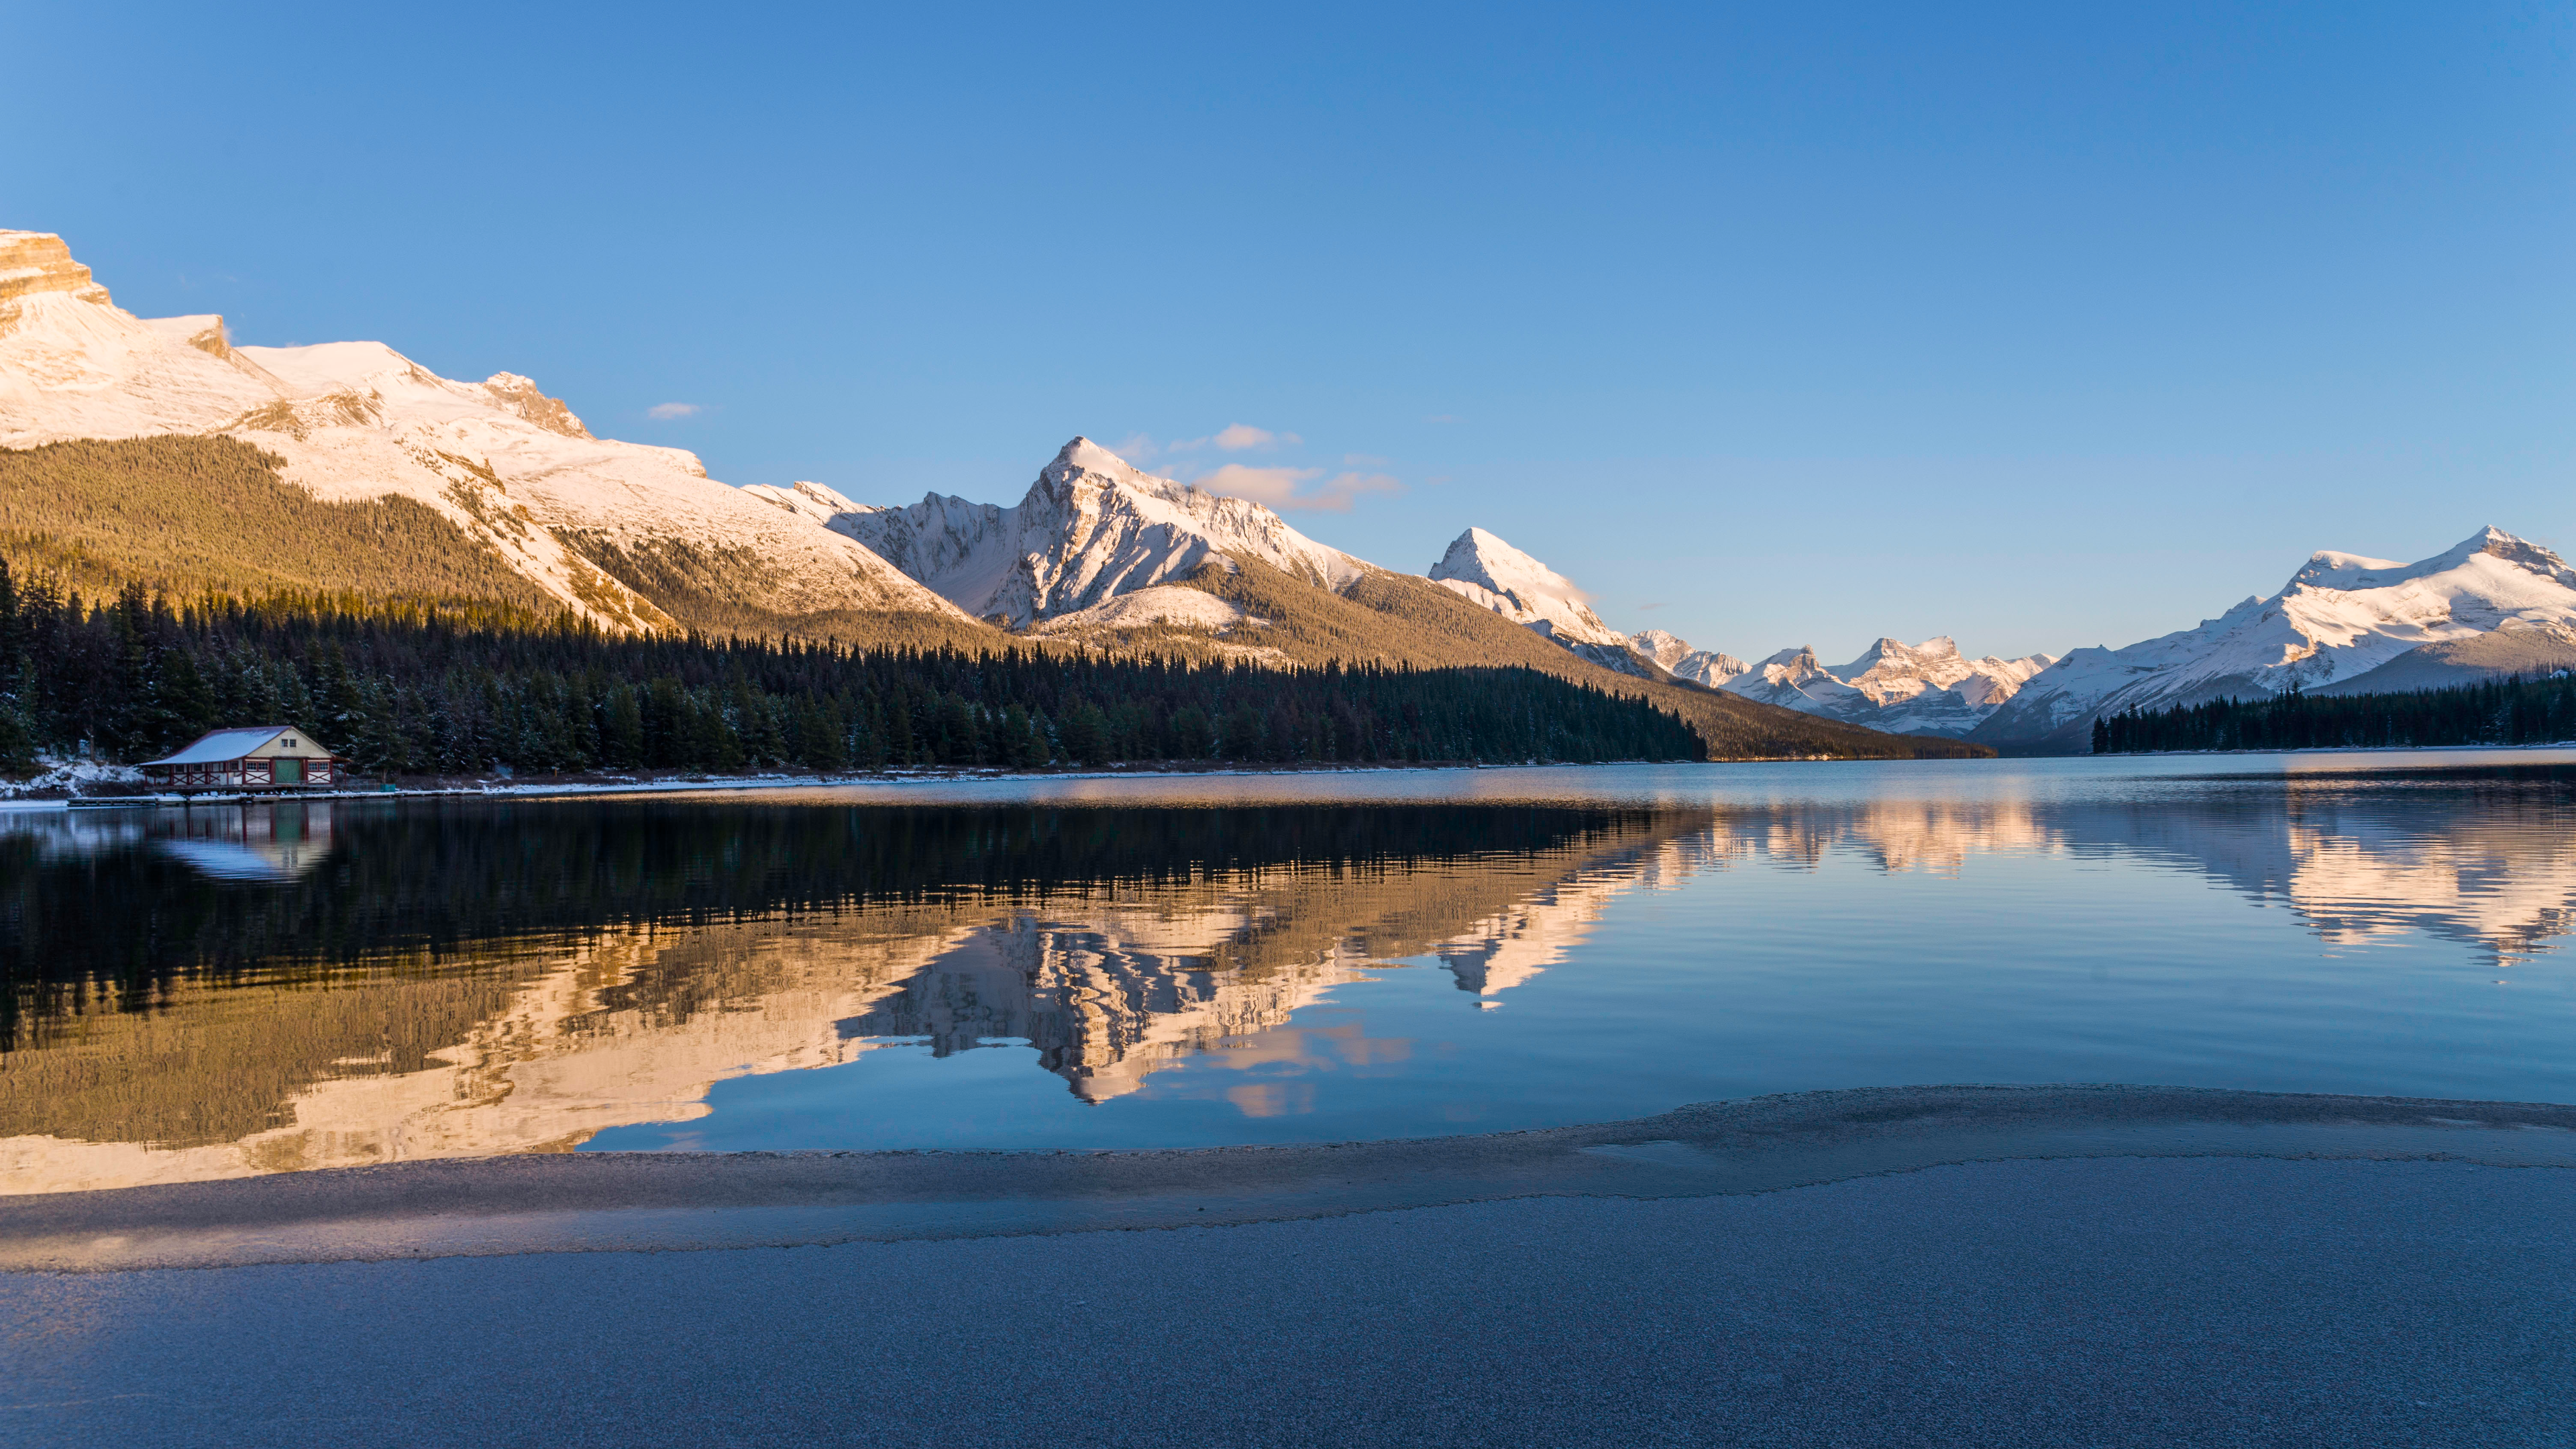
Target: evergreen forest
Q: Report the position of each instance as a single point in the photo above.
(411, 690)
(2513, 711)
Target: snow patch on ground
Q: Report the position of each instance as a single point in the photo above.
(70, 777)
(1171, 604)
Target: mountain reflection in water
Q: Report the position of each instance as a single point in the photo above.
(202, 993)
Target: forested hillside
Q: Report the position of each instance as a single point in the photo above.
(408, 692)
(2509, 712)
(210, 519)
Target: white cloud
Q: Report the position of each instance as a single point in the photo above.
(1236, 438)
(1295, 488)
(1136, 448)
(668, 411)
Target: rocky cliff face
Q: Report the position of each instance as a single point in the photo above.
(38, 261)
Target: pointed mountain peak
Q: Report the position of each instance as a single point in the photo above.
(1085, 456)
(1482, 558)
(2496, 543)
(1890, 652)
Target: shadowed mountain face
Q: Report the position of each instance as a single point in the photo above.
(214, 993)
(2525, 653)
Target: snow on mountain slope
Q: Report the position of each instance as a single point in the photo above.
(1089, 529)
(588, 519)
(1915, 689)
(1678, 659)
(2514, 650)
(1161, 604)
(2339, 616)
(1491, 574)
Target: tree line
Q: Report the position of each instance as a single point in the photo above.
(2512, 711)
(411, 691)
(453, 879)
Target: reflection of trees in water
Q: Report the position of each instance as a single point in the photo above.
(484, 978)
(1168, 945)
(114, 914)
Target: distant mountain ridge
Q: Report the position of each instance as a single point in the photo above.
(1923, 689)
(2341, 618)
(1675, 656)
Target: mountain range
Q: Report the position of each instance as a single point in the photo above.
(157, 452)
(2491, 605)
(402, 482)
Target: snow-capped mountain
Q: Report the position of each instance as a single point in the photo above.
(1914, 689)
(1675, 656)
(1089, 529)
(1492, 574)
(2339, 617)
(603, 526)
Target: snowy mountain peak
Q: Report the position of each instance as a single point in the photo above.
(1680, 660)
(1934, 653)
(1478, 557)
(2342, 615)
(1481, 568)
(1660, 645)
(1927, 688)
(1091, 528)
(2349, 572)
(2495, 543)
(1085, 456)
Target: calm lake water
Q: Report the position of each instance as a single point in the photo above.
(1181, 962)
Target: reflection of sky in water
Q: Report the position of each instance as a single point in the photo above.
(1763, 929)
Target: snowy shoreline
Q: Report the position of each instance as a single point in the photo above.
(502, 787)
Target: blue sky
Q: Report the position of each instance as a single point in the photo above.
(2041, 325)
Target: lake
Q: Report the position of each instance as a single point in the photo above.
(1188, 961)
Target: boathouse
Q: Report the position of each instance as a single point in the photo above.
(259, 757)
